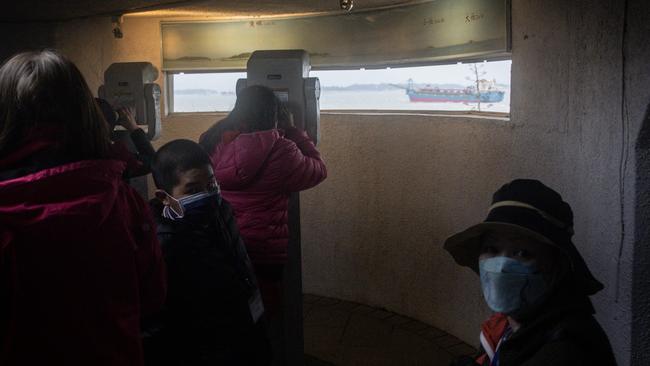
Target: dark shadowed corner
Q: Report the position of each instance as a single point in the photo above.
(641, 276)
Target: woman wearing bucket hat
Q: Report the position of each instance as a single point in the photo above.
(534, 279)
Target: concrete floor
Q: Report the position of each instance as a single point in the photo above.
(343, 333)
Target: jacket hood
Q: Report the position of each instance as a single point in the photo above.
(238, 162)
(73, 197)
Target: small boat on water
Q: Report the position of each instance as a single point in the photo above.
(488, 93)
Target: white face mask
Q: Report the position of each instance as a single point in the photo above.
(510, 285)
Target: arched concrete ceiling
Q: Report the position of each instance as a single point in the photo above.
(52, 11)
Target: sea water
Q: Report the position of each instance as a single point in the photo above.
(342, 100)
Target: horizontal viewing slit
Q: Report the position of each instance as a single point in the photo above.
(481, 87)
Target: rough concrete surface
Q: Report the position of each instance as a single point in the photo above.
(399, 185)
(345, 333)
(24, 37)
(638, 100)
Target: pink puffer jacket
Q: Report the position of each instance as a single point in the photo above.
(257, 172)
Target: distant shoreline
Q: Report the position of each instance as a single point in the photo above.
(354, 87)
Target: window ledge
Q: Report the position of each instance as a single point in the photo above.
(449, 114)
(196, 114)
(452, 114)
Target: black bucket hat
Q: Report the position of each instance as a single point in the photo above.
(531, 209)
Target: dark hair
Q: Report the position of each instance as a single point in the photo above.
(176, 157)
(256, 109)
(284, 115)
(41, 89)
(107, 111)
(212, 137)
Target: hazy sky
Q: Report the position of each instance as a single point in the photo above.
(443, 74)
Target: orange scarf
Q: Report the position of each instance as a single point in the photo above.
(492, 331)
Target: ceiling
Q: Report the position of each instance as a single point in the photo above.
(54, 11)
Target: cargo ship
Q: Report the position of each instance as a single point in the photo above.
(431, 94)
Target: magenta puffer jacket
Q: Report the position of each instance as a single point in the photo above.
(257, 172)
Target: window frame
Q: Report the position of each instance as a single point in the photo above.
(503, 116)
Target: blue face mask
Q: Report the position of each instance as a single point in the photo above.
(510, 285)
(192, 206)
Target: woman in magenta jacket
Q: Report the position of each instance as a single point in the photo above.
(80, 264)
(258, 162)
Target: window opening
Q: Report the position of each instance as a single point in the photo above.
(477, 87)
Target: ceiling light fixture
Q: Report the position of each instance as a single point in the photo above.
(346, 4)
(117, 21)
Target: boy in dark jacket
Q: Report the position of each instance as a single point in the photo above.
(213, 313)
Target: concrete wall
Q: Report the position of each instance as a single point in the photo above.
(22, 37)
(637, 50)
(90, 44)
(641, 284)
(398, 185)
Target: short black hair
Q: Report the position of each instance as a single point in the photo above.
(176, 157)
